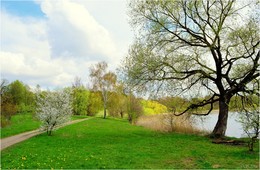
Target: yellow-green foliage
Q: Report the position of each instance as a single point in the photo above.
(153, 107)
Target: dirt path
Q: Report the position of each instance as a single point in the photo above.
(9, 141)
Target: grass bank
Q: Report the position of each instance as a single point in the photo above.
(25, 122)
(20, 123)
(99, 143)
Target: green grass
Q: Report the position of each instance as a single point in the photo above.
(20, 123)
(75, 117)
(99, 143)
(25, 122)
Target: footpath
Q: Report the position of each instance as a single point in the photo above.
(9, 141)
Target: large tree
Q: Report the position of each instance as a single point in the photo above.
(104, 81)
(210, 46)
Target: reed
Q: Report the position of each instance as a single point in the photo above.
(169, 123)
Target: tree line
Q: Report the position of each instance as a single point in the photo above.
(19, 98)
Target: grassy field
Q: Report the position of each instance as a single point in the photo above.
(99, 143)
(20, 123)
(25, 122)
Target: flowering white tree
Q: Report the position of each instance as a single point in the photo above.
(53, 108)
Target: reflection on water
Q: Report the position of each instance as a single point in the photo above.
(234, 128)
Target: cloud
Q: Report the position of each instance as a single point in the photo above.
(73, 32)
(24, 35)
(53, 49)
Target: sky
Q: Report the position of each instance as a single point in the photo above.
(50, 42)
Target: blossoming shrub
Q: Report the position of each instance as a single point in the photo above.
(53, 108)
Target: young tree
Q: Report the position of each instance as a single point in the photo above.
(117, 104)
(134, 109)
(103, 81)
(53, 108)
(8, 109)
(249, 118)
(201, 45)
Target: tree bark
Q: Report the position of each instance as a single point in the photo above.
(105, 112)
(221, 126)
(122, 114)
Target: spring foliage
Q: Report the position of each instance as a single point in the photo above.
(249, 118)
(153, 107)
(53, 109)
(80, 101)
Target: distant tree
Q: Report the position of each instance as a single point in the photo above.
(77, 82)
(17, 90)
(3, 86)
(103, 81)
(195, 46)
(22, 96)
(8, 107)
(134, 109)
(80, 97)
(153, 107)
(174, 104)
(95, 103)
(53, 108)
(80, 100)
(117, 104)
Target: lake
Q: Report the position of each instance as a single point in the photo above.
(234, 128)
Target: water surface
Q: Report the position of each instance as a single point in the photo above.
(234, 128)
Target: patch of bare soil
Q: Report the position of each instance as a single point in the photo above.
(229, 142)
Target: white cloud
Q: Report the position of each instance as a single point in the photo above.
(24, 35)
(17, 63)
(72, 27)
(115, 20)
(52, 50)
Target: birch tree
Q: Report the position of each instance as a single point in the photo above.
(103, 81)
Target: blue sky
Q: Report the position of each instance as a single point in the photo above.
(50, 42)
(22, 8)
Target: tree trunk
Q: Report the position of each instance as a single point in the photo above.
(104, 93)
(251, 145)
(105, 112)
(221, 126)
